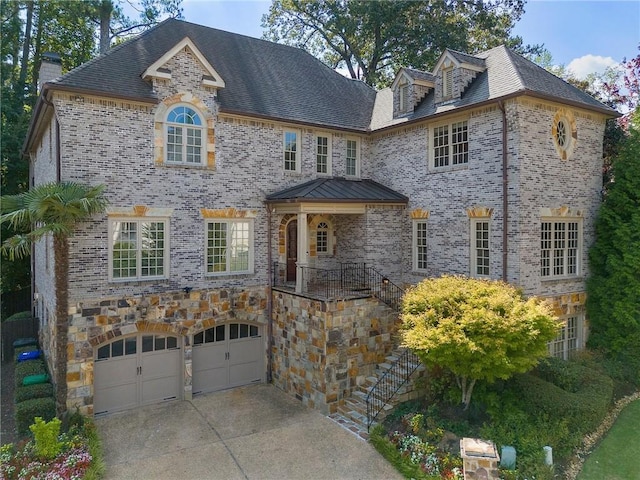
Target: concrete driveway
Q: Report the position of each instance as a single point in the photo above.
(255, 432)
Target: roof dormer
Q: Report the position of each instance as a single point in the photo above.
(159, 70)
(453, 74)
(409, 88)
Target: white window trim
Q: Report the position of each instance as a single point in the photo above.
(167, 248)
(579, 247)
(203, 137)
(357, 159)
(563, 339)
(414, 245)
(298, 150)
(329, 152)
(473, 250)
(403, 97)
(329, 251)
(432, 153)
(228, 221)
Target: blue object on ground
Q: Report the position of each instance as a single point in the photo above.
(508, 457)
(24, 356)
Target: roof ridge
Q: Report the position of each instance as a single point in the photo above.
(511, 61)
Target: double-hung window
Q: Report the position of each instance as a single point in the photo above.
(480, 250)
(138, 249)
(353, 158)
(184, 136)
(420, 245)
(450, 144)
(291, 151)
(323, 154)
(229, 247)
(560, 248)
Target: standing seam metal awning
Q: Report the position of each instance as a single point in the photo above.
(334, 195)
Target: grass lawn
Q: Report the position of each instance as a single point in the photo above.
(616, 458)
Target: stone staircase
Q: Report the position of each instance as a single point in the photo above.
(352, 411)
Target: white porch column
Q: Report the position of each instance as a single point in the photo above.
(303, 250)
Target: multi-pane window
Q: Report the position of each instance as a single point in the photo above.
(139, 249)
(352, 157)
(322, 238)
(451, 144)
(229, 247)
(185, 134)
(568, 338)
(322, 154)
(420, 245)
(559, 248)
(291, 151)
(480, 248)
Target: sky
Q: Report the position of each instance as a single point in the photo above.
(585, 36)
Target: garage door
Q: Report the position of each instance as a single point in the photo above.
(227, 356)
(134, 371)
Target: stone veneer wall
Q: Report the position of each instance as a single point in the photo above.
(323, 350)
(94, 322)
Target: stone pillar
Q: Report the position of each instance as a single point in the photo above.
(479, 459)
(303, 251)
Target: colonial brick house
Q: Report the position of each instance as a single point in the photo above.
(263, 208)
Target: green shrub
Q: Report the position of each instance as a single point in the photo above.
(29, 409)
(18, 316)
(28, 392)
(30, 367)
(45, 435)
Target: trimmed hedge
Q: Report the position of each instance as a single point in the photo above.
(30, 367)
(567, 390)
(18, 316)
(28, 392)
(29, 409)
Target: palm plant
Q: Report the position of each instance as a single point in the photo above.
(51, 209)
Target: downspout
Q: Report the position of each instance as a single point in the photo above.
(505, 200)
(269, 299)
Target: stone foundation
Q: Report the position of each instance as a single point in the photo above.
(323, 350)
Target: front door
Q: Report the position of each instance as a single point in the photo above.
(292, 250)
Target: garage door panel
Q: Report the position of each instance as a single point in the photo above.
(209, 368)
(115, 384)
(160, 375)
(245, 361)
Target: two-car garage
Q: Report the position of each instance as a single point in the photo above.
(146, 368)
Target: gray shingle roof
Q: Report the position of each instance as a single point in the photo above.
(466, 58)
(262, 78)
(419, 74)
(338, 189)
(508, 73)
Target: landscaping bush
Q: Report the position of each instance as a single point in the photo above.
(29, 409)
(29, 392)
(30, 367)
(18, 316)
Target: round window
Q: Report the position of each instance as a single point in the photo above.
(564, 133)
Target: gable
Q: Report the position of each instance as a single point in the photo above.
(159, 70)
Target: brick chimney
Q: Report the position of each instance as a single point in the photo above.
(50, 68)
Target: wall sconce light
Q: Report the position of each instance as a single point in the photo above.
(187, 290)
(385, 281)
(143, 306)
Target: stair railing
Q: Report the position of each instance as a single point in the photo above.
(384, 289)
(389, 384)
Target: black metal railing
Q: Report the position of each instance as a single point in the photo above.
(389, 384)
(348, 281)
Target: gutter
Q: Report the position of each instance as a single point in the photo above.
(505, 199)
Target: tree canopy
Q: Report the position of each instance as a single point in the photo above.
(373, 39)
(478, 329)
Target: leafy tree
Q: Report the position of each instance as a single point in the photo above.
(477, 329)
(51, 209)
(613, 301)
(373, 39)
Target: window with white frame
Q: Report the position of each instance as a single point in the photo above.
(353, 158)
(291, 151)
(569, 337)
(322, 238)
(480, 250)
(450, 144)
(560, 242)
(420, 245)
(323, 154)
(229, 247)
(138, 249)
(185, 135)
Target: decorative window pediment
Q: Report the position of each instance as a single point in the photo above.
(158, 69)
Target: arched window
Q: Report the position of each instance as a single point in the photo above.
(322, 238)
(184, 138)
